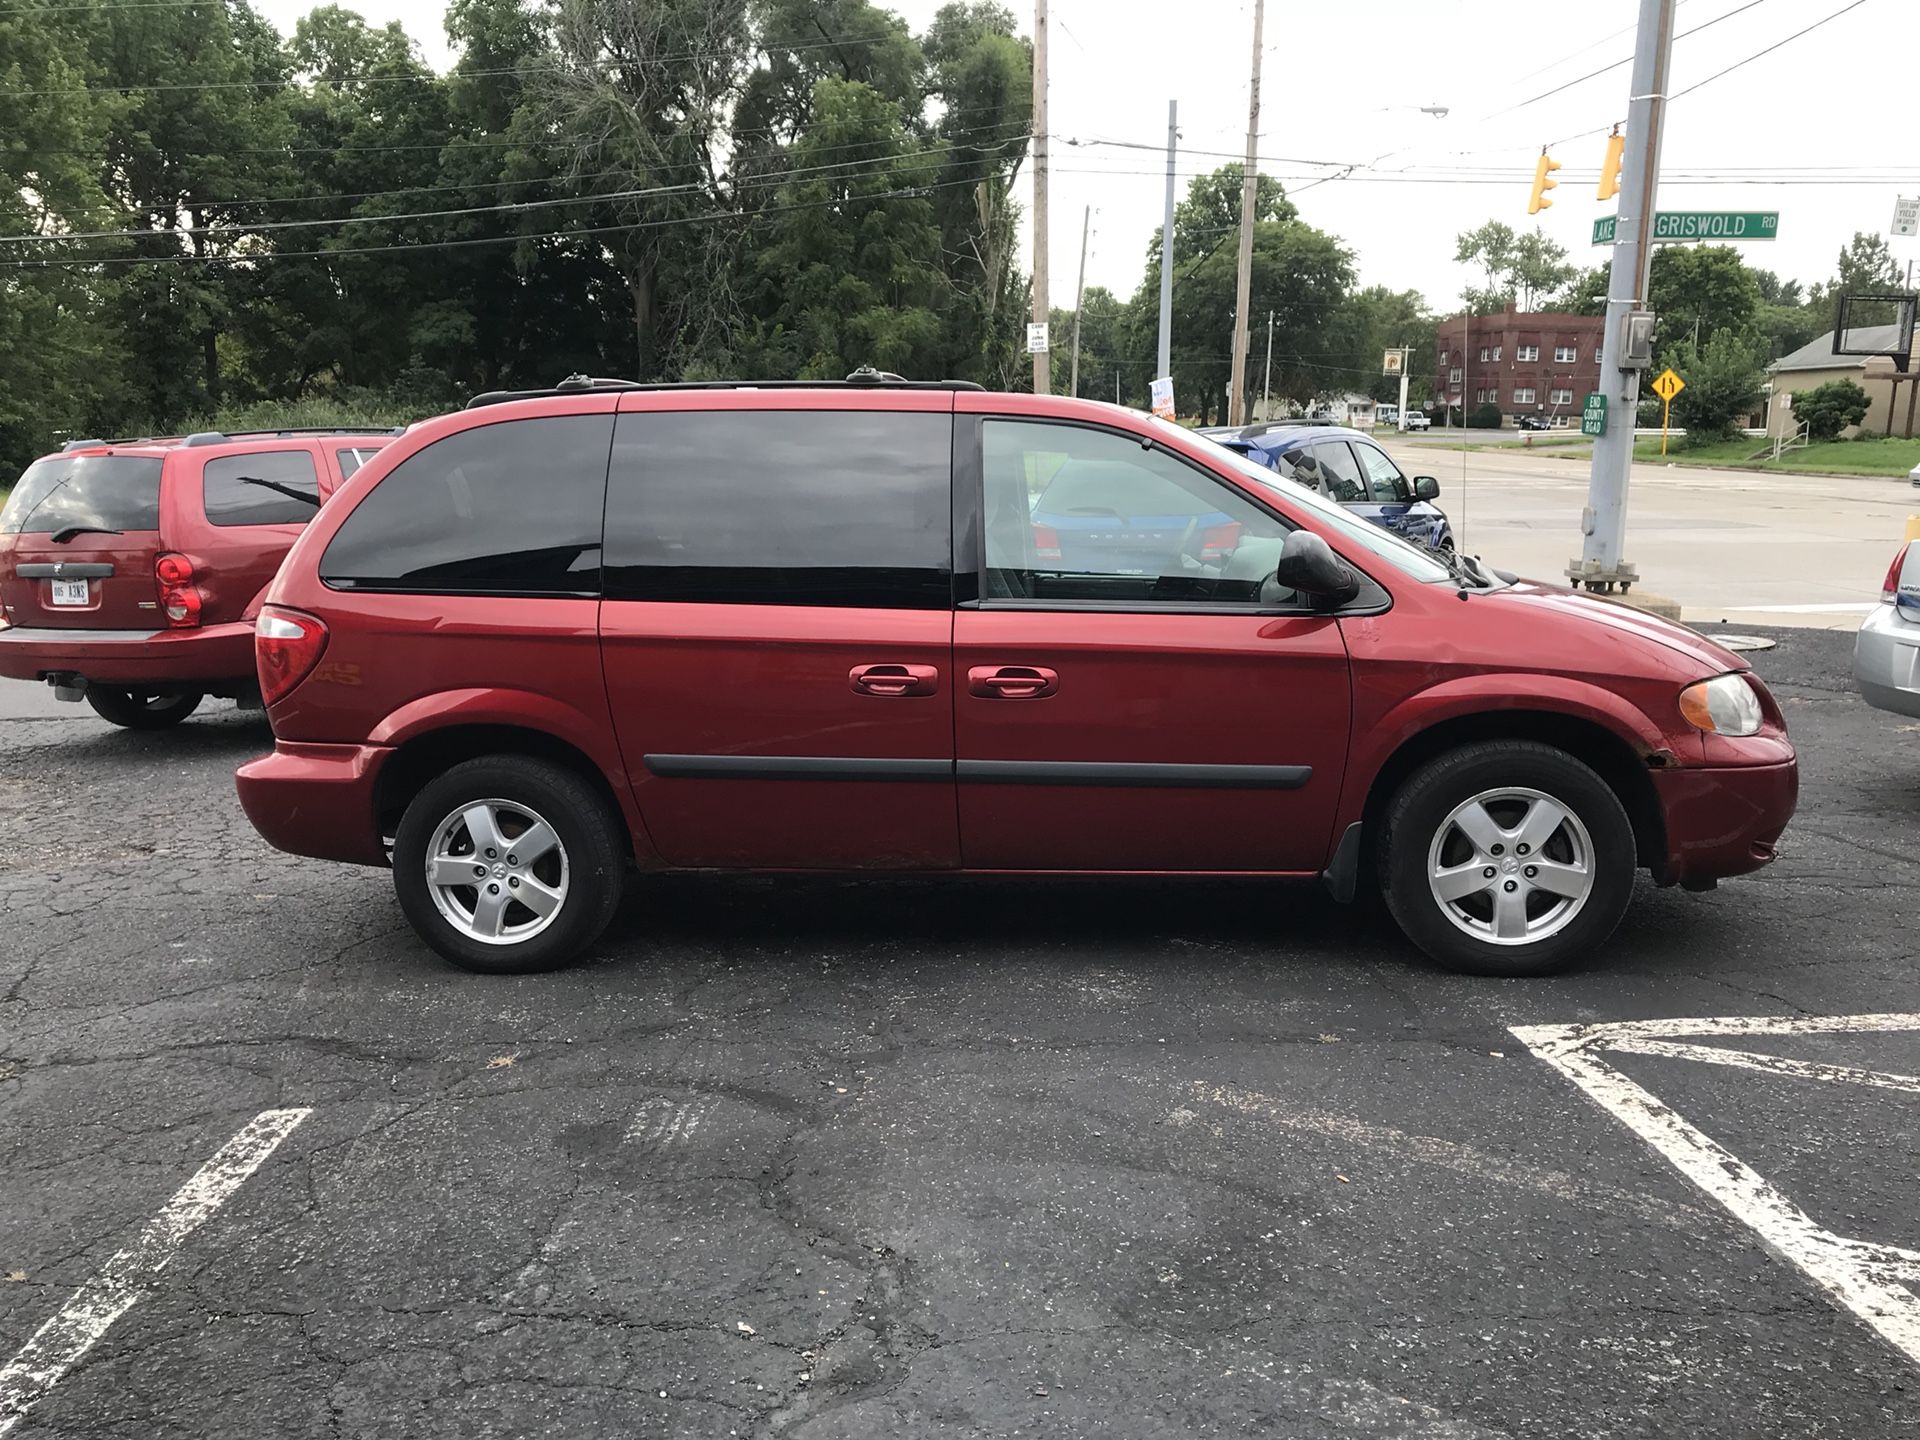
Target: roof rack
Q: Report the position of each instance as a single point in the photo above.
(865, 378)
(221, 437)
(80, 445)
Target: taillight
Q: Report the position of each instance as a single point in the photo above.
(180, 600)
(1890, 587)
(1046, 543)
(286, 647)
(1220, 539)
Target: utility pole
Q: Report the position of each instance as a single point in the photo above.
(1042, 360)
(1166, 249)
(1405, 355)
(1602, 563)
(1249, 188)
(1079, 293)
(1266, 378)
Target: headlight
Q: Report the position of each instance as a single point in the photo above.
(1724, 705)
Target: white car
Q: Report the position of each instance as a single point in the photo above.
(1416, 420)
(1889, 640)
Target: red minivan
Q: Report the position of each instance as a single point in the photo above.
(130, 570)
(817, 627)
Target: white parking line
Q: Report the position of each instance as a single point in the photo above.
(660, 1122)
(1874, 1281)
(129, 1274)
(1849, 607)
(1774, 1064)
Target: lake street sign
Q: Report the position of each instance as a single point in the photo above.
(1668, 384)
(1593, 415)
(1701, 225)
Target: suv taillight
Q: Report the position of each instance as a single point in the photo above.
(1890, 587)
(179, 599)
(286, 647)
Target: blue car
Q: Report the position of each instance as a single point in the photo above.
(1346, 466)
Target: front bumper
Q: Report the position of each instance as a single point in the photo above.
(316, 800)
(209, 654)
(1886, 655)
(1723, 821)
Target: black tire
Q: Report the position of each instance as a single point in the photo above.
(1417, 814)
(141, 710)
(591, 841)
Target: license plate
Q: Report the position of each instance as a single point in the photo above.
(70, 592)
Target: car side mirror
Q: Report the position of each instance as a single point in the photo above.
(1309, 566)
(1425, 487)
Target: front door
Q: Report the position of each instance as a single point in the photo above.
(777, 630)
(1142, 696)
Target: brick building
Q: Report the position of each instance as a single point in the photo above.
(1526, 362)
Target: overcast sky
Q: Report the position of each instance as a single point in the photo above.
(1817, 130)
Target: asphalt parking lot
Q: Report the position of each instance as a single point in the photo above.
(846, 1159)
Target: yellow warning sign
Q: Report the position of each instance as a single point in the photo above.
(1668, 384)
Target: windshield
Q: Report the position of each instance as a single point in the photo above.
(1408, 559)
(86, 492)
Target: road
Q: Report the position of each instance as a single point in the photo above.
(1728, 545)
(821, 1159)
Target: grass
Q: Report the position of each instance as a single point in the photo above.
(1878, 456)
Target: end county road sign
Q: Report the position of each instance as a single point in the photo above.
(1701, 225)
(1593, 415)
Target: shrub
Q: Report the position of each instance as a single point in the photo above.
(1484, 417)
(1830, 408)
(1723, 385)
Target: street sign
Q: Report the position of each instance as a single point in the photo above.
(1667, 384)
(1162, 392)
(1593, 415)
(1701, 225)
(1906, 216)
(1036, 339)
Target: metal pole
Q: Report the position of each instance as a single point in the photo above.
(1042, 360)
(1604, 525)
(1405, 356)
(1266, 379)
(1166, 249)
(1079, 292)
(1249, 188)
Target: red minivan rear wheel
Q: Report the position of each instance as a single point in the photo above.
(508, 864)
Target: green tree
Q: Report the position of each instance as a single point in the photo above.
(1723, 376)
(1866, 264)
(1830, 408)
(1699, 291)
(1519, 268)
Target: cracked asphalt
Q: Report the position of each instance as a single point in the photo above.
(818, 1159)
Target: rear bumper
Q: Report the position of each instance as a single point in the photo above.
(1723, 821)
(1886, 655)
(316, 800)
(211, 653)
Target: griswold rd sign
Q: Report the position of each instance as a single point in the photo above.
(1701, 225)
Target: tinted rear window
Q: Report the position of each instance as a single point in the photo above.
(274, 487)
(782, 507)
(100, 492)
(511, 508)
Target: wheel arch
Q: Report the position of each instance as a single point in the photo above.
(1626, 771)
(430, 753)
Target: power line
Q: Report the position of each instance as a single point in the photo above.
(771, 181)
(911, 192)
(1604, 69)
(1769, 50)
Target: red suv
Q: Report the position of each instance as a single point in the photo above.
(816, 627)
(130, 571)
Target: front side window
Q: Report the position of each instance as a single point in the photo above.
(510, 508)
(1340, 472)
(782, 507)
(1078, 514)
(274, 487)
(1385, 483)
(87, 492)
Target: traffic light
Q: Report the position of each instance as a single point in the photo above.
(1610, 167)
(1542, 182)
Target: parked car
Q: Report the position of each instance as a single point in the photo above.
(1889, 639)
(1348, 468)
(818, 627)
(129, 569)
(1418, 420)
(1532, 422)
